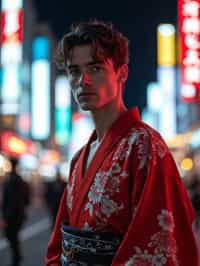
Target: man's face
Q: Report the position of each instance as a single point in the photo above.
(94, 84)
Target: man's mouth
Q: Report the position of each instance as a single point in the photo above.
(85, 94)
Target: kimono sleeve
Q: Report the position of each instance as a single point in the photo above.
(160, 229)
(55, 243)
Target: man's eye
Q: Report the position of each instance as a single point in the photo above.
(95, 68)
(74, 72)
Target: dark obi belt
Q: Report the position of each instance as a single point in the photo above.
(85, 248)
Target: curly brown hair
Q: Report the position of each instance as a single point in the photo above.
(106, 42)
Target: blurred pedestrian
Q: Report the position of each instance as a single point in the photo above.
(194, 190)
(124, 203)
(15, 199)
(52, 193)
(193, 185)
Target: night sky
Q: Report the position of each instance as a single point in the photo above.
(137, 19)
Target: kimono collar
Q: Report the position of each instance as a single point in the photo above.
(121, 124)
(125, 120)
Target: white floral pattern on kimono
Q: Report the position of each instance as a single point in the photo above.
(162, 246)
(158, 145)
(137, 137)
(105, 185)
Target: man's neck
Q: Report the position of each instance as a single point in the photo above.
(104, 118)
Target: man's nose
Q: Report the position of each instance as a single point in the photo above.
(85, 79)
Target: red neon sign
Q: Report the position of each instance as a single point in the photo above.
(13, 145)
(11, 25)
(189, 32)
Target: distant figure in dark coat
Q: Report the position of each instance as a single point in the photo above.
(16, 197)
(194, 192)
(52, 194)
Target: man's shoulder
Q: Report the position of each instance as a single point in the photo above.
(143, 128)
(143, 131)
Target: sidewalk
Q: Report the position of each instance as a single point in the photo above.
(34, 238)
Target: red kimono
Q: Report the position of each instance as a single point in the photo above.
(132, 187)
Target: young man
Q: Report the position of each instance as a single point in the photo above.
(124, 203)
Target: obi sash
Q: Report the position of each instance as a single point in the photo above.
(85, 248)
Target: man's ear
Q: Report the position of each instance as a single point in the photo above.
(123, 73)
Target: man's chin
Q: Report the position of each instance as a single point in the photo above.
(86, 107)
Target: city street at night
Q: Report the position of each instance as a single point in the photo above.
(100, 133)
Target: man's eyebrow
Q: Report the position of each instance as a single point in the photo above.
(72, 66)
(95, 63)
(91, 63)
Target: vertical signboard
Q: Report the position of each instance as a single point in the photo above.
(40, 83)
(11, 54)
(62, 111)
(166, 79)
(189, 34)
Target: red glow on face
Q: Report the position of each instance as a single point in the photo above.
(94, 84)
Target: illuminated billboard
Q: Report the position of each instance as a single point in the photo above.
(62, 110)
(10, 89)
(166, 45)
(154, 97)
(11, 83)
(11, 54)
(11, 22)
(40, 84)
(167, 114)
(189, 34)
(11, 4)
(40, 100)
(166, 79)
